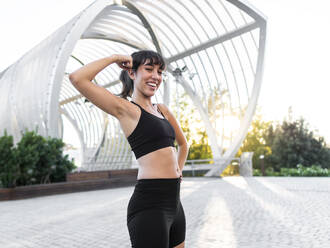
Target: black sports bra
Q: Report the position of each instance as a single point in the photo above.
(150, 134)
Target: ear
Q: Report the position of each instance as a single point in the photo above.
(131, 74)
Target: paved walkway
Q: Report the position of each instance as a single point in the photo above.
(259, 212)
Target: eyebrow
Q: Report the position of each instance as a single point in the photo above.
(149, 64)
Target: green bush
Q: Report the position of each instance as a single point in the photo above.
(197, 173)
(231, 170)
(8, 162)
(257, 172)
(300, 171)
(34, 160)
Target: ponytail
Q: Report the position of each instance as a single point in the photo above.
(128, 85)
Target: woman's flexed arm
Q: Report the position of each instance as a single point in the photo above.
(89, 71)
(102, 98)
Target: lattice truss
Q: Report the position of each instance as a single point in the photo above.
(214, 50)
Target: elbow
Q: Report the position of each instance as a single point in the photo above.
(185, 145)
(73, 78)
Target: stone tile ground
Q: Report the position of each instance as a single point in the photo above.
(229, 212)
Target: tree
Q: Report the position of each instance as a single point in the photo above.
(8, 162)
(200, 149)
(256, 140)
(27, 157)
(293, 143)
(197, 137)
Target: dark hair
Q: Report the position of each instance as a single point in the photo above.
(139, 58)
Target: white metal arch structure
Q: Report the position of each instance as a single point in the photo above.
(214, 50)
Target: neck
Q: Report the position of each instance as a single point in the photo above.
(142, 101)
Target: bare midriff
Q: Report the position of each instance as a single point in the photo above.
(161, 163)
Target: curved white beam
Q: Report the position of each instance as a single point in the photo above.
(225, 51)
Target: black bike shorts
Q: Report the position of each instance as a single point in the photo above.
(155, 217)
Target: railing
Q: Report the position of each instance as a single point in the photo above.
(200, 164)
(190, 165)
(197, 164)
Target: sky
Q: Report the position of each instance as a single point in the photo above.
(297, 61)
(297, 56)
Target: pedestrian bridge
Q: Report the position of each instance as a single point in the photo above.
(214, 52)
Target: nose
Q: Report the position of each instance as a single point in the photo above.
(155, 75)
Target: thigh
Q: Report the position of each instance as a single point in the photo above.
(178, 228)
(149, 229)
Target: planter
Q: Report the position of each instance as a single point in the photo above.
(114, 179)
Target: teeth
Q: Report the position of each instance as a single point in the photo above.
(154, 85)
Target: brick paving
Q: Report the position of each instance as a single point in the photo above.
(230, 212)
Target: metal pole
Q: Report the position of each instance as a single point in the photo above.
(193, 169)
(262, 165)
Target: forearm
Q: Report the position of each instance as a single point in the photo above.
(89, 71)
(182, 155)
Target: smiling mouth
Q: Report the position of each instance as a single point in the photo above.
(154, 86)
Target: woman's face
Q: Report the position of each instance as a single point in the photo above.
(148, 78)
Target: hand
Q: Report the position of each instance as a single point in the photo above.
(180, 172)
(124, 61)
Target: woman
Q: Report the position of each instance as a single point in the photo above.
(155, 217)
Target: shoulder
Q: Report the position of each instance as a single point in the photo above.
(179, 135)
(129, 110)
(165, 110)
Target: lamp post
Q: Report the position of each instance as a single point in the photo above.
(262, 164)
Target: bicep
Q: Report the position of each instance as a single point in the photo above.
(101, 97)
